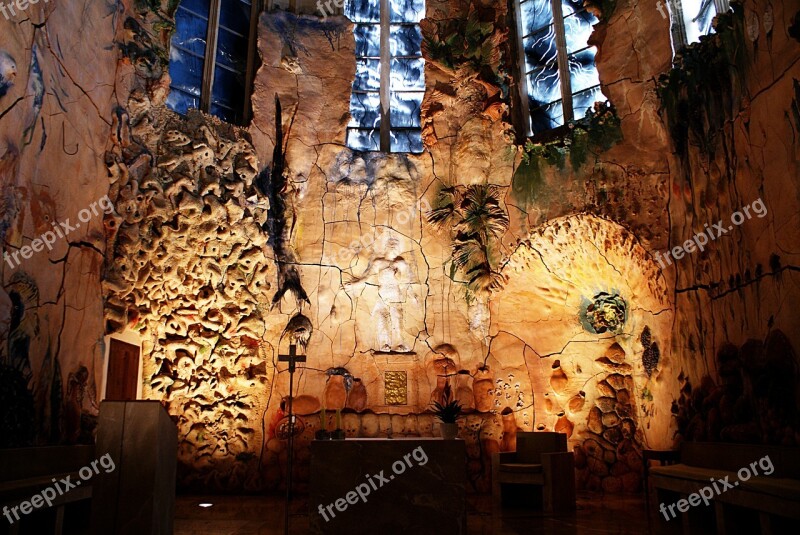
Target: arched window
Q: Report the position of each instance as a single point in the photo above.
(690, 18)
(390, 75)
(212, 57)
(561, 80)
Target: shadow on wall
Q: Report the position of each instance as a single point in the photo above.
(754, 401)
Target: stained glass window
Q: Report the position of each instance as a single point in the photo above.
(691, 19)
(561, 80)
(390, 75)
(226, 23)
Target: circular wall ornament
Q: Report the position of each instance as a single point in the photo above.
(604, 313)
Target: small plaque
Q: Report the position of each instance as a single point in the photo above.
(396, 388)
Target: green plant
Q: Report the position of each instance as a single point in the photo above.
(705, 85)
(449, 411)
(468, 39)
(477, 222)
(598, 131)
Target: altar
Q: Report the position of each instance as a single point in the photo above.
(369, 486)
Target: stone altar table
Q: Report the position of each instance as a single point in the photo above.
(388, 486)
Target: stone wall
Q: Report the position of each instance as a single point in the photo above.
(735, 325)
(226, 244)
(58, 68)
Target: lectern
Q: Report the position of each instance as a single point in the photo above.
(138, 495)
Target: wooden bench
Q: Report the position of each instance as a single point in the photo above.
(763, 487)
(25, 472)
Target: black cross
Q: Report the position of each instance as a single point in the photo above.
(292, 358)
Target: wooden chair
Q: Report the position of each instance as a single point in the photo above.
(541, 459)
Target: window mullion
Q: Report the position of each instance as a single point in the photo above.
(523, 85)
(563, 63)
(722, 6)
(385, 77)
(211, 56)
(677, 26)
(252, 51)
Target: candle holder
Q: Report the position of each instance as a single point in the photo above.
(323, 433)
(338, 433)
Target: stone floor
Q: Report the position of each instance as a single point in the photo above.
(259, 515)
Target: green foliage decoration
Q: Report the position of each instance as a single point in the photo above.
(469, 40)
(706, 83)
(597, 132)
(477, 221)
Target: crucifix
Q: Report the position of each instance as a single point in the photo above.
(292, 358)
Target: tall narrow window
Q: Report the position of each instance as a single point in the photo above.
(390, 75)
(212, 57)
(561, 80)
(691, 18)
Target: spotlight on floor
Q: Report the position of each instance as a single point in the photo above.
(205, 505)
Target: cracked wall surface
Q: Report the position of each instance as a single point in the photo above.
(360, 215)
(739, 293)
(57, 76)
(189, 259)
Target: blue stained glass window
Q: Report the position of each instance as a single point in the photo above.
(363, 10)
(368, 40)
(547, 117)
(583, 101)
(407, 10)
(365, 110)
(187, 55)
(544, 85)
(366, 140)
(405, 40)
(577, 29)
(405, 109)
(695, 17)
(368, 75)
(188, 58)
(406, 141)
(536, 14)
(582, 72)
(406, 78)
(545, 65)
(408, 74)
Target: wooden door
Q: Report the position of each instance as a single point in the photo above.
(123, 371)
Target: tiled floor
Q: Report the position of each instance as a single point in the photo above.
(259, 515)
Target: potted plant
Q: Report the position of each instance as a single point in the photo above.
(447, 412)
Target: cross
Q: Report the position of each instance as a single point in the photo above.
(292, 358)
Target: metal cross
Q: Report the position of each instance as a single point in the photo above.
(292, 358)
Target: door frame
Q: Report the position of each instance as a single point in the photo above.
(128, 337)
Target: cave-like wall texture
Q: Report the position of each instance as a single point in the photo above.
(553, 309)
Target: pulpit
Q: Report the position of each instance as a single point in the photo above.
(403, 485)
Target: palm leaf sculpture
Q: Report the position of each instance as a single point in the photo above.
(477, 222)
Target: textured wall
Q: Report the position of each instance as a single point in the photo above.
(529, 360)
(57, 73)
(736, 331)
(218, 241)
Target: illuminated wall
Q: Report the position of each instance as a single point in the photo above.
(553, 311)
